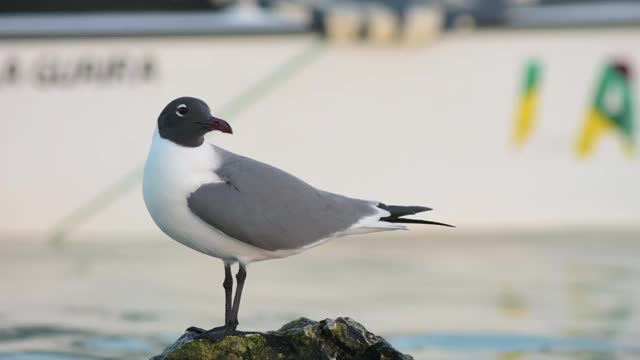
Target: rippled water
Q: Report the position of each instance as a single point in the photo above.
(565, 295)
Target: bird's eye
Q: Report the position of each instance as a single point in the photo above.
(181, 110)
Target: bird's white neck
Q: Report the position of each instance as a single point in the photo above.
(167, 158)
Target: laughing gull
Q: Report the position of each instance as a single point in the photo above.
(241, 210)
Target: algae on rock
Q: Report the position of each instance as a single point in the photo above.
(340, 339)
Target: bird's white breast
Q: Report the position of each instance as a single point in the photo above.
(171, 173)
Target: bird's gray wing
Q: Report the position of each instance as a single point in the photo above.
(266, 207)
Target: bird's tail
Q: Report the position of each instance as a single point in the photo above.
(397, 212)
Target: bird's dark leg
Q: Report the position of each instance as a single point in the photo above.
(240, 277)
(228, 290)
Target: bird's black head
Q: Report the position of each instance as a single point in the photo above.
(185, 120)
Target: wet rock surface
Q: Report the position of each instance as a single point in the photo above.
(340, 339)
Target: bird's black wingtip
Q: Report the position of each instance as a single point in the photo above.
(417, 221)
(397, 212)
(439, 224)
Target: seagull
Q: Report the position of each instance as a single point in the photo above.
(241, 210)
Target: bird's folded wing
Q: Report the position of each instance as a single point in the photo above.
(266, 207)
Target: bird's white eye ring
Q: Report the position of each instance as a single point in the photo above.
(181, 110)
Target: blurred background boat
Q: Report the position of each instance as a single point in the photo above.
(438, 105)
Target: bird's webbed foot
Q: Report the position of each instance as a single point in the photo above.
(217, 333)
(197, 330)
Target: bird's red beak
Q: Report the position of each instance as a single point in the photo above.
(215, 123)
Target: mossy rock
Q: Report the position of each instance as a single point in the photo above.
(339, 339)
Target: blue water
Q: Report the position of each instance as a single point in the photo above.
(92, 346)
(507, 343)
(537, 297)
